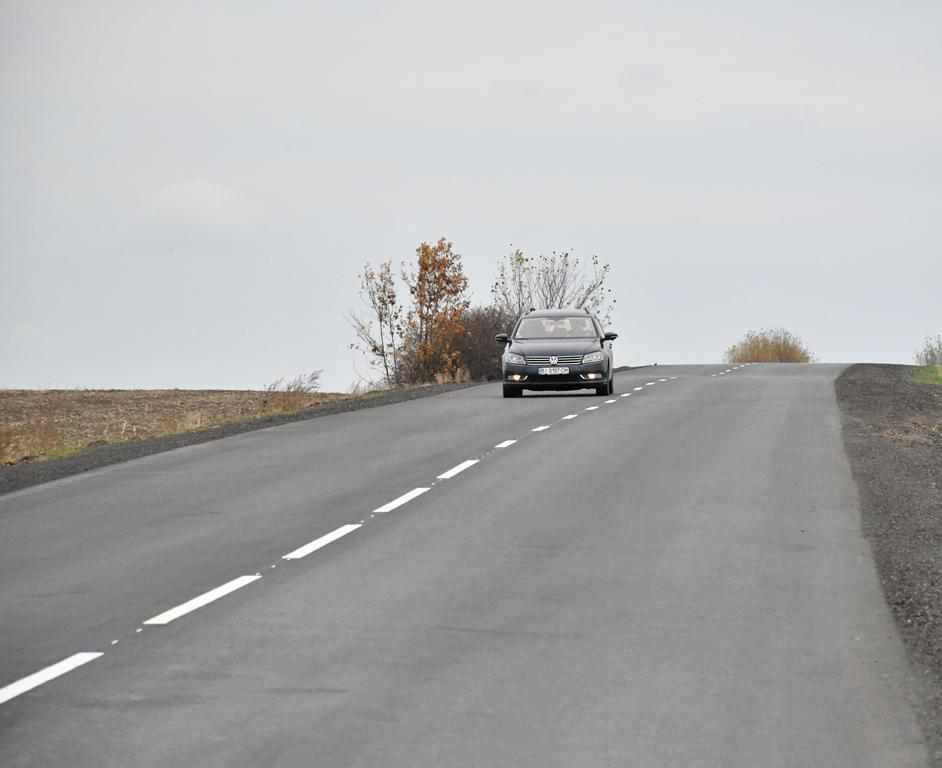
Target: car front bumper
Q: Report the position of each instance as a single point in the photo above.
(579, 376)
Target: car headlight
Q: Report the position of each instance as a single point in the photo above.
(513, 357)
(592, 357)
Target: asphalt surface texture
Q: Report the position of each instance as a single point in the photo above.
(893, 436)
(673, 578)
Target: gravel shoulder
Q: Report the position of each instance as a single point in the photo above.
(24, 474)
(893, 437)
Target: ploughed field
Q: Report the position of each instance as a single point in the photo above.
(48, 424)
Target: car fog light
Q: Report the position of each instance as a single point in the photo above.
(593, 376)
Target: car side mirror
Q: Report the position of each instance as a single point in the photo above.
(610, 336)
(501, 338)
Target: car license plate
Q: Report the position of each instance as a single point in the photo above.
(553, 371)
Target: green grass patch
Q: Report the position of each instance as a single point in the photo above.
(928, 374)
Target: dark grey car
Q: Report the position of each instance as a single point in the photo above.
(557, 349)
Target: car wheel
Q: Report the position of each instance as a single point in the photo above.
(611, 386)
(602, 389)
(512, 391)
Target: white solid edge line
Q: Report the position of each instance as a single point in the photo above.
(404, 499)
(36, 679)
(205, 599)
(592, 408)
(458, 469)
(323, 541)
(505, 444)
(608, 402)
(540, 428)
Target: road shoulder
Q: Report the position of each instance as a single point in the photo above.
(892, 430)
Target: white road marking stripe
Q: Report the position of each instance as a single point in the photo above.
(45, 675)
(673, 378)
(638, 389)
(505, 444)
(404, 499)
(627, 394)
(662, 379)
(607, 402)
(456, 470)
(323, 541)
(650, 384)
(540, 429)
(205, 599)
(570, 416)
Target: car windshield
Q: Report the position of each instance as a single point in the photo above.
(580, 327)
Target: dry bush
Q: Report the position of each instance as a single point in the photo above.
(931, 352)
(289, 396)
(458, 376)
(769, 346)
(479, 353)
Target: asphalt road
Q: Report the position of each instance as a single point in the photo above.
(676, 578)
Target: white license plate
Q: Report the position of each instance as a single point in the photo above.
(553, 371)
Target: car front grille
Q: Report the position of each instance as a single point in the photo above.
(563, 360)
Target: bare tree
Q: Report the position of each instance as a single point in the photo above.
(559, 280)
(379, 336)
(931, 352)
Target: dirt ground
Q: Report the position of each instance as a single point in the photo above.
(893, 437)
(38, 425)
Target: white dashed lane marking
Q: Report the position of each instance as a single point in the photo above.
(323, 541)
(404, 499)
(205, 599)
(45, 675)
(79, 659)
(456, 470)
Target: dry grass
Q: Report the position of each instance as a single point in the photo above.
(47, 424)
(769, 346)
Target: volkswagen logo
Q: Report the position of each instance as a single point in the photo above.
(553, 359)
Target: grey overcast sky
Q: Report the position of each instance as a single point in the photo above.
(187, 190)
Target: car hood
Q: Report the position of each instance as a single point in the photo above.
(554, 346)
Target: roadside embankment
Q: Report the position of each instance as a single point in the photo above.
(893, 436)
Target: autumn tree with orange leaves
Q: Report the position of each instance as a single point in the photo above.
(433, 326)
